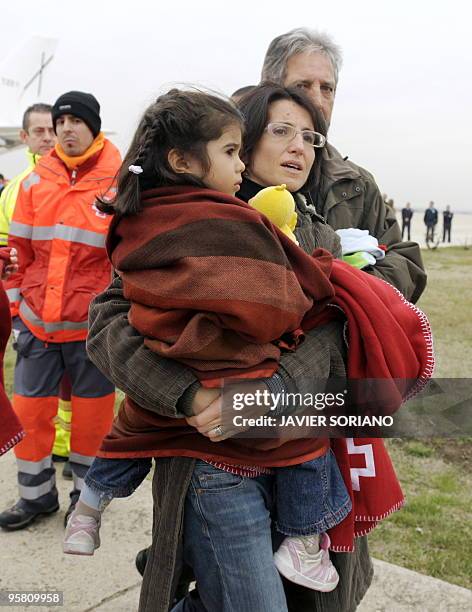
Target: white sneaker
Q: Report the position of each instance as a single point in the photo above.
(82, 535)
(297, 561)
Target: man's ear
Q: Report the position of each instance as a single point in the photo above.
(23, 136)
(180, 162)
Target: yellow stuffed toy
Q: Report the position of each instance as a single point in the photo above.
(278, 205)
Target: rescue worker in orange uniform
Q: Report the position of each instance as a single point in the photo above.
(38, 135)
(60, 238)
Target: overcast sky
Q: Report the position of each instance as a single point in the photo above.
(404, 99)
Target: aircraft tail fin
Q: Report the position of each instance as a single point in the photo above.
(22, 69)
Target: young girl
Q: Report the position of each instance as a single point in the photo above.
(187, 144)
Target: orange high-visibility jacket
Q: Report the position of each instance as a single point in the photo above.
(60, 236)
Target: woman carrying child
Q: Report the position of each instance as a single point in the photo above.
(237, 495)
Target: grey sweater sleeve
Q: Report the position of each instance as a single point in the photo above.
(117, 349)
(320, 357)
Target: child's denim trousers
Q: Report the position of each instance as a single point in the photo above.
(311, 497)
(109, 478)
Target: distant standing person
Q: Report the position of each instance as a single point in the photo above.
(430, 220)
(447, 221)
(407, 214)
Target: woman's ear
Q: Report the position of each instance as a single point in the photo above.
(182, 163)
(247, 163)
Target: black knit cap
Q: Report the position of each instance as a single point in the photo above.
(80, 104)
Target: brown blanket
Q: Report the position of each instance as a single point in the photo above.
(214, 284)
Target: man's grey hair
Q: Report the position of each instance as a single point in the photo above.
(39, 107)
(298, 40)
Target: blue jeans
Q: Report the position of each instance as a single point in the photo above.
(311, 497)
(109, 478)
(227, 542)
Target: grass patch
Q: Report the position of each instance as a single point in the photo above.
(446, 302)
(432, 533)
(415, 448)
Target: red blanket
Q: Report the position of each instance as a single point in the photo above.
(372, 484)
(390, 340)
(11, 430)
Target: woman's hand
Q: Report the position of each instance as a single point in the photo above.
(203, 398)
(208, 416)
(215, 421)
(206, 408)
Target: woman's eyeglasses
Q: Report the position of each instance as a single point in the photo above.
(285, 131)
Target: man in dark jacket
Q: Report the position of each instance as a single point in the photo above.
(430, 220)
(348, 195)
(447, 221)
(407, 214)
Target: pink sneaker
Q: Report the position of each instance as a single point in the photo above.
(299, 564)
(82, 535)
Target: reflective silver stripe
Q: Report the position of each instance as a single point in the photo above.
(21, 230)
(13, 294)
(50, 327)
(38, 491)
(82, 459)
(74, 234)
(69, 233)
(43, 232)
(78, 482)
(30, 180)
(34, 467)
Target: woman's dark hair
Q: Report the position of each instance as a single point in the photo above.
(255, 106)
(182, 120)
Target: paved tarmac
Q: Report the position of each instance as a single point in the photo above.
(32, 559)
